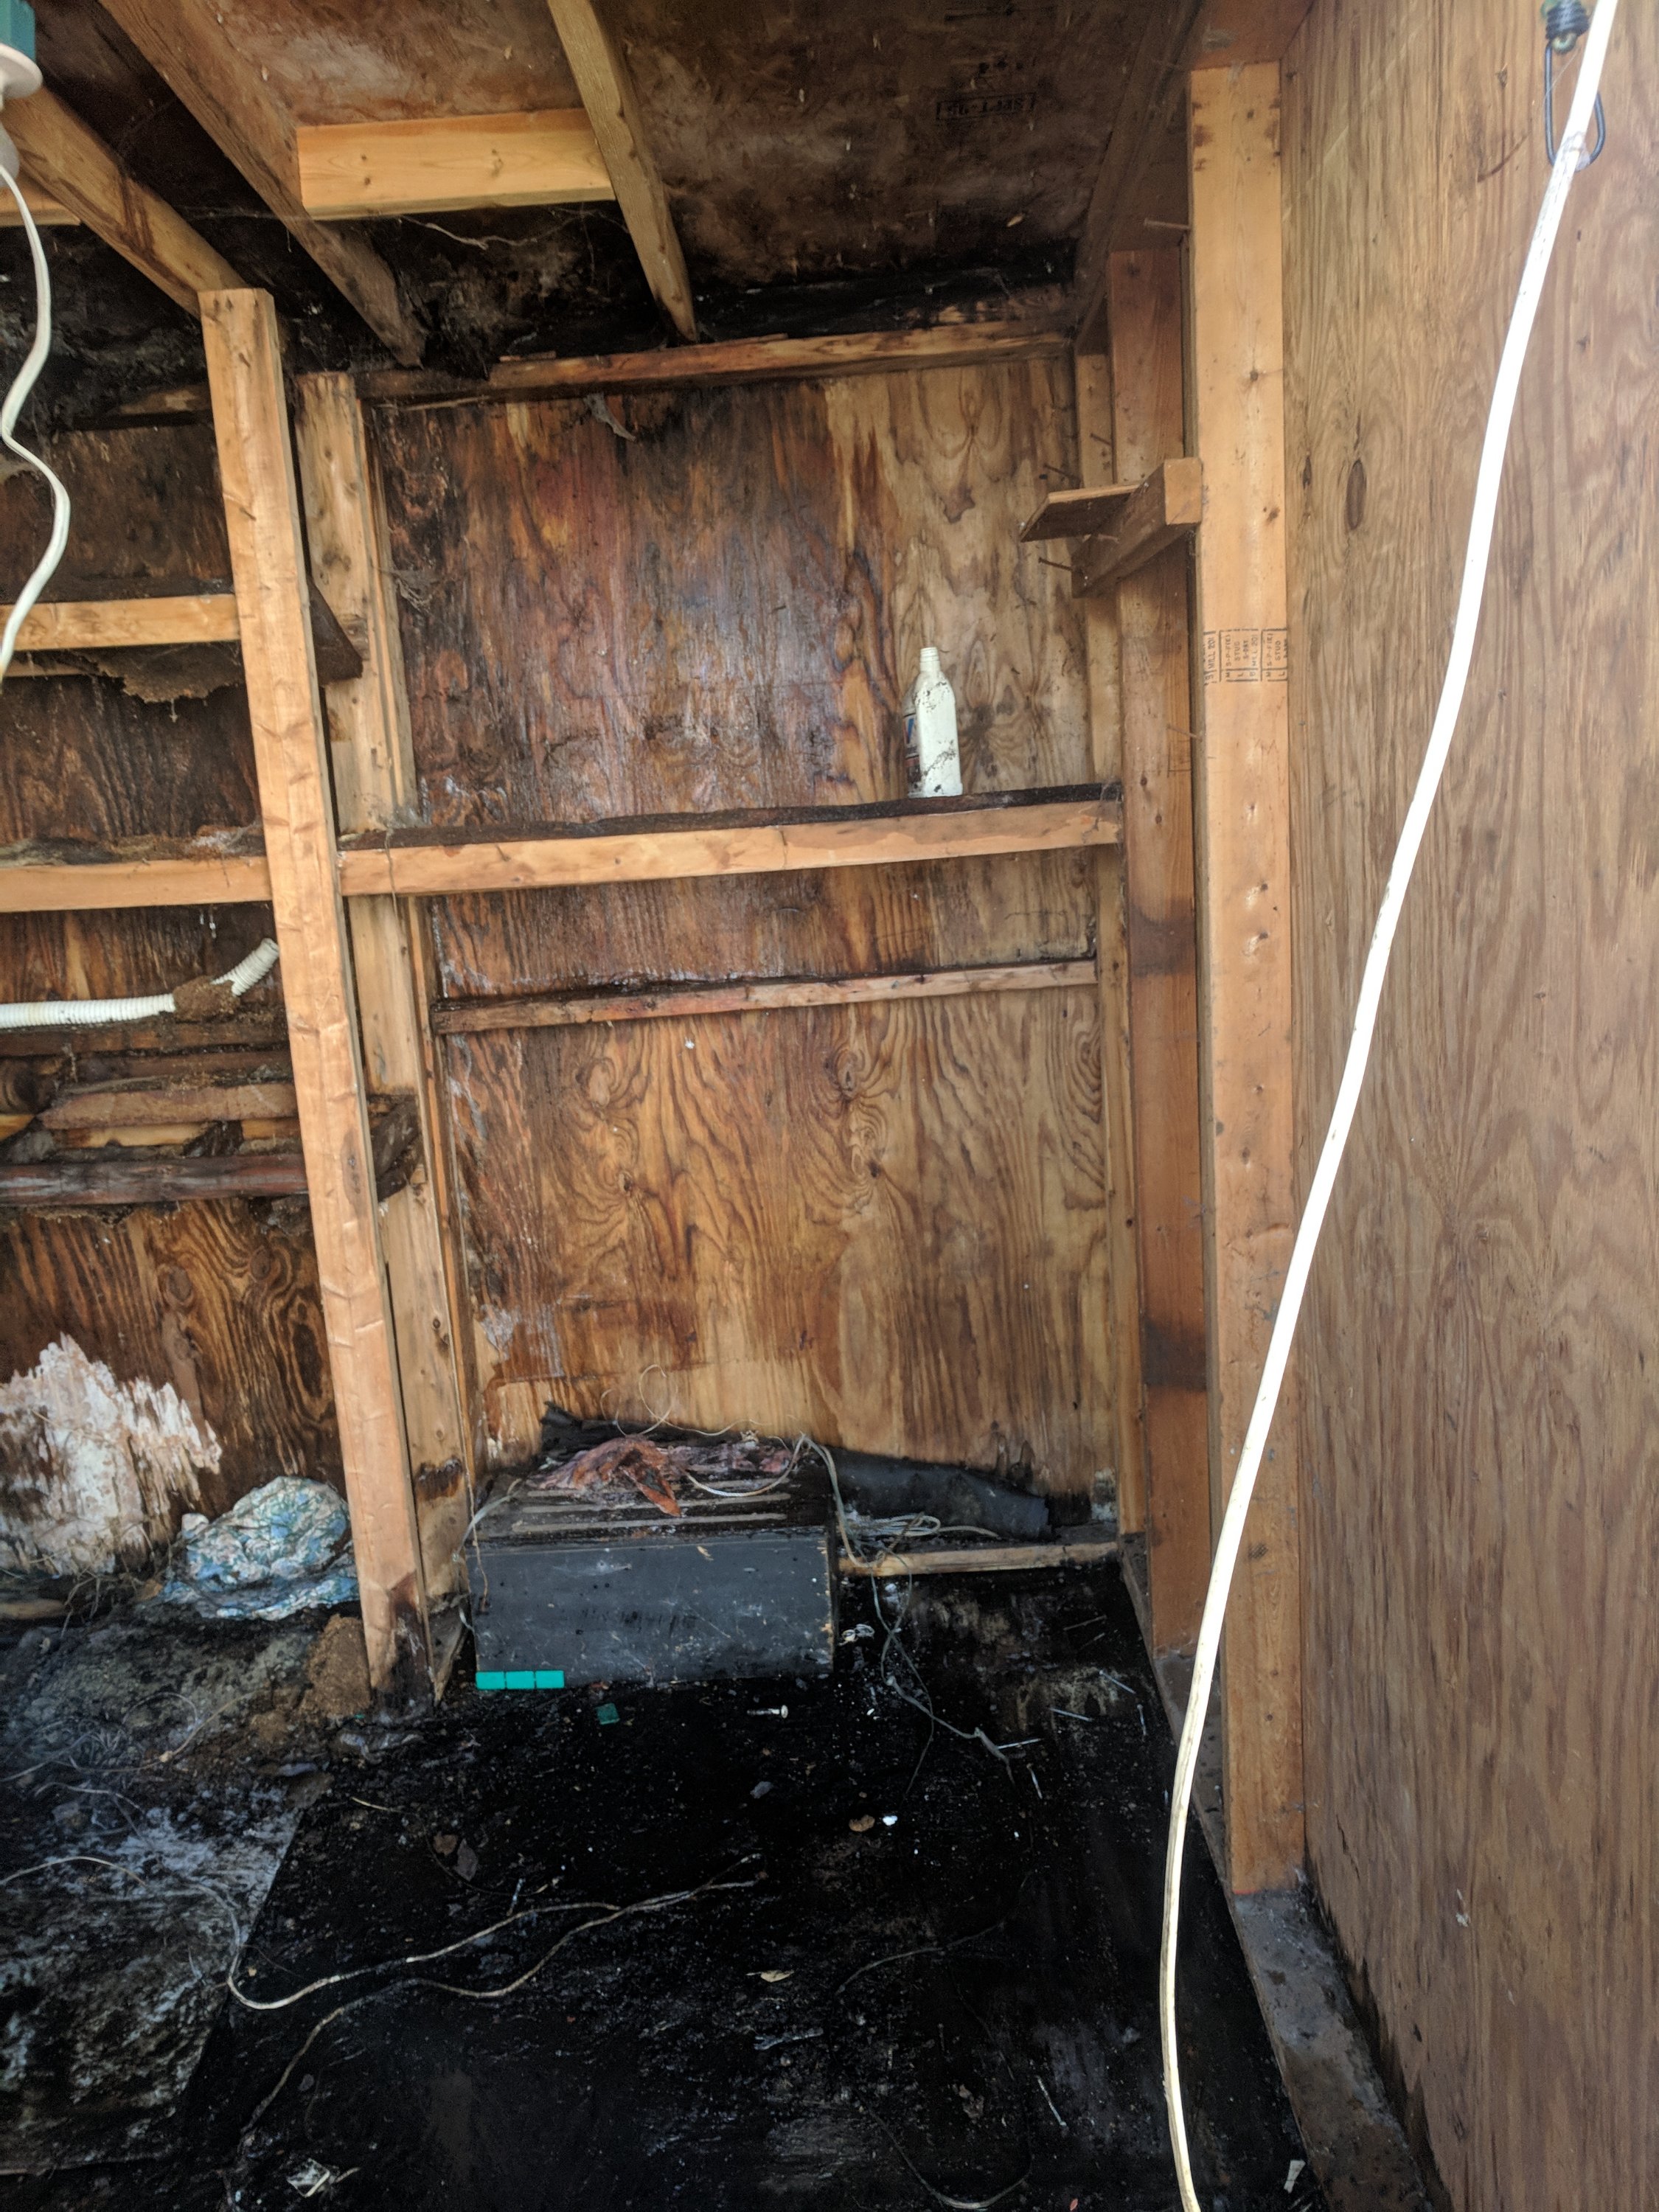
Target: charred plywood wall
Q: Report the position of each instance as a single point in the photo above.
(152, 1360)
(1479, 1360)
(883, 1223)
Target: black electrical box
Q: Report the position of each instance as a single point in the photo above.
(567, 1591)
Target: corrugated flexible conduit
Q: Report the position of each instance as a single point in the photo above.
(1482, 523)
(95, 1014)
(22, 384)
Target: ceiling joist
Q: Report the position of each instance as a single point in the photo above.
(184, 43)
(82, 175)
(424, 165)
(607, 94)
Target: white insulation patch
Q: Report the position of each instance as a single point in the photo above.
(92, 1470)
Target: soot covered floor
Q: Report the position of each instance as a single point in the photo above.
(774, 1944)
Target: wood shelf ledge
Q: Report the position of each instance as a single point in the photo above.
(437, 863)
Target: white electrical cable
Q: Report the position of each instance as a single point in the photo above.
(1464, 630)
(22, 386)
(95, 1013)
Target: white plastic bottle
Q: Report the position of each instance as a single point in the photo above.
(930, 733)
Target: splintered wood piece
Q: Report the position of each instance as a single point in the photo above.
(1080, 514)
(1085, 1549)
(427, 163)
(425, 863)
(262, 517)
(73, 162)
(180, 1102)
(466, 1017)
(111, 1179)
(1165, 507)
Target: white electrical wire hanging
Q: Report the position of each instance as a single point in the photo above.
(98, 1013)
(22, 384)
(1482, 523)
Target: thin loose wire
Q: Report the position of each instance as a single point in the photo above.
(1482, 523)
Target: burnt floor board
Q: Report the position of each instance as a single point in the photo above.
(969, 2000)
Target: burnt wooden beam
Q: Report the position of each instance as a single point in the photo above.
(110, 1179)
(677, 1002)
(733, 361)
(130, 1107)
(1087, 1548)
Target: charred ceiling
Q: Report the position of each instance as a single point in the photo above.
(825, 168)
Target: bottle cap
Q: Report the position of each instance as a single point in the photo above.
(930, 660)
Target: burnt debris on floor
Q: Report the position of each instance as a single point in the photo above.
(783, 1941)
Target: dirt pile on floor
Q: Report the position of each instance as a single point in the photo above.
(337, 1673)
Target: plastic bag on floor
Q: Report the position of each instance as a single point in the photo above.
(282, 1549)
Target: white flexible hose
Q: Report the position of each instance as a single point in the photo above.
(22, 386)
(95, 1013)
(1464, 630)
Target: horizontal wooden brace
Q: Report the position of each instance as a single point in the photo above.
(466, 1017)
(117, 625)
(109, 625)
(100, 881)
(1169, 505)
(437, 864)
(110, 1180)
(1085, 1549)
(733, 361)
(421, 164)
(424, 863)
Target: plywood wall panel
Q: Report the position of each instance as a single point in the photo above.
(723, 608)
(852, 921)
(883, 1224)
(825, 1218)
(1480, 1378)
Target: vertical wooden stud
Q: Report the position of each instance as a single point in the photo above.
(1242, 815)
(1094, 415)
(1145, 314)
(262, 514)
(375, 787)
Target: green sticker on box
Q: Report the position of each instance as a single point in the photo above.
(549, 1678)
(490, 1682)
(521, 1678)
